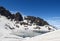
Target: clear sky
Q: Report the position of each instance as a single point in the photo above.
(41, 8)
(45, 9)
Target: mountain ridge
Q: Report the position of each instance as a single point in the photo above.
(19, 17)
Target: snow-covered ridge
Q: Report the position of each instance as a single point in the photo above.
(23, 30)
(14, 29)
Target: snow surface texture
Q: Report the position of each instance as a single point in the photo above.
(52, 36)
(13, 31)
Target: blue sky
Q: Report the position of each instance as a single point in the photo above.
(46, 9)
(41, 8)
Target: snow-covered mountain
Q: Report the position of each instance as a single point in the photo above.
(14, 27)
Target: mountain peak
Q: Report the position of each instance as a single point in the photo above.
(6, 13)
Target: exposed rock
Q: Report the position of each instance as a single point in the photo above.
(18, 16)
(23, 23)
(6, 13)
(36, 20)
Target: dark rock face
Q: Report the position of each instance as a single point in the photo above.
(36, 20)
(18, 16)
(6, 13)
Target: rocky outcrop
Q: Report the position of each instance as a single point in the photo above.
(6, 13)
(18, 17)
(36, 20)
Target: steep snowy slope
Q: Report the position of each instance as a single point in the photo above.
(13, 31)
(5, 31)
(23, 30)
(52, 36)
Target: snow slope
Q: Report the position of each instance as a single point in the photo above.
(13, 31)
(5, 32)
(51, 36)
